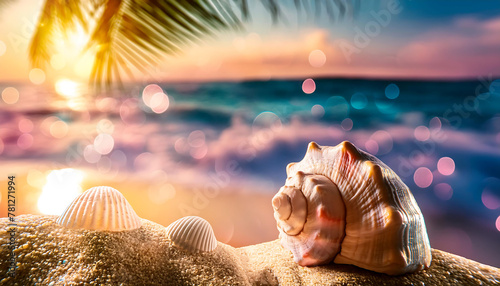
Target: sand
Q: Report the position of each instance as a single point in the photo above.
(48, 254)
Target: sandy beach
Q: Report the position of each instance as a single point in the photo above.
(48, 254)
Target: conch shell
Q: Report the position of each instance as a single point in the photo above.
(342, 204)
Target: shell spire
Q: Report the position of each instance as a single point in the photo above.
(100, 208)
(384, 227)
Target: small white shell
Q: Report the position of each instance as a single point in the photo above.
(100, 208)
(192, 233)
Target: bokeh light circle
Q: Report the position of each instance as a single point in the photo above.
(497, 223)
(104, 143)
(435, 124)
(383, 140)
(495, 87)
(105, 126)
(181, 146)
(119, 158)
(347, 124)
(196, 139)
(490, 200)
(91, 155)
(308, 86)
(359, 100)
(25, 141)
(37, 76)
(337, 107)
(10, 95)
(446, 166)
(317, 111)
(199, 153)
(149, 91)
(422, 133)
(25, 125)
(392, 91)
(317, 58)
(58, 129)
(159, 103)
(46, 125)
(267, 120)
(443, 191)
(371, 146)
(423, 177)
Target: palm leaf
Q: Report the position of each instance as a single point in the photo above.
(4, 3)
(129, 35)
(58, 16)
(139, 33)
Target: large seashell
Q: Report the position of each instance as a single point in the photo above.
(352, 198)
(192, 233)
(100, 208)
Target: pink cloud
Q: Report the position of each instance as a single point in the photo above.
(466, 49)
(243, 141)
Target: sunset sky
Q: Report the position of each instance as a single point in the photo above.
(421, 39)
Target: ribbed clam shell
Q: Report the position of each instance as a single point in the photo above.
(384, 227)
(100, 208)
(192, 233)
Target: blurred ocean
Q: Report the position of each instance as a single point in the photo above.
(442, 138)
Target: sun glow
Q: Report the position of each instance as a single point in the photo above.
(68, 88)
(72, 42)
(70, 58)
(62, 187)
(79, 38)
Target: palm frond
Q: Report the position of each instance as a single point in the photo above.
(137, 34)
(134, 34)
(4, 3)
(58, 16)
